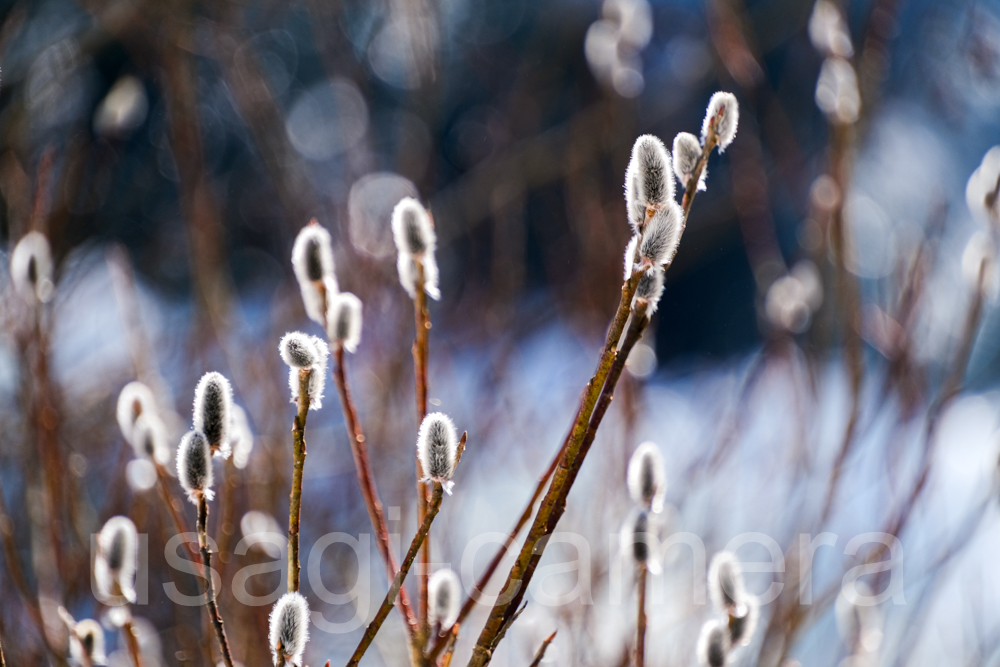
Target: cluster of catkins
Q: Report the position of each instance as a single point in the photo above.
(837, 87)
(647, 485)
(657, 220)
(736, 612)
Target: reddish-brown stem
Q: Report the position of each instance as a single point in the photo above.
(397, 583)
(423, 325)
(540, 655)
(168, 501)
(213, 605)
(132, 642)
(640, 635)
(299, 460)
(366, 481)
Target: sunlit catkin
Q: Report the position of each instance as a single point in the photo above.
(135, 399)
(31, 268)
(648, 184)
(726, 112)
(213, 411)
(149, 439)
(687, 152)
(437, 448)
(194, 466)
(289, 629)
(86, 641)
(647, 479)
(661, 235)
(444, 592)
(298, 350)
(743, 621)
(713, 644)
(344, 321)
(312, 260)
(649, 290)
(725, 583)
(415, 240)
(114, 566)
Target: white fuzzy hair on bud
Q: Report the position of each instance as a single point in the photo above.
(630, 256)
(725, 583)
(649, 290)
(213, 411)
(194, 466)
(724, 108)
(312, 260)
(980, 190)
(31, 268)
(415, 240)
(713, 644)
(647, 479)
(289, 629)
(687, 152)
(149, 439)
(241, 438)
(86, 640)
(837, 91)
(135, 400)
(344, 320)
(114, 566)
(648, 184)
(444, 592)
(298, 350)
(662, 235)
(827, 30)
(317, 375)
(437, 449)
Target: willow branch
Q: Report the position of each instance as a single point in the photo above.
(168, 500)
(397, 583)
(540, 655)
(423, 325)
(299, 460)
(206, 559)
(366, 481)
(640, 635)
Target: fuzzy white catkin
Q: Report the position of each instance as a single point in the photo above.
(981, 186)
(727, 122)
(648, 184)
(114, 566)
(317, 375)
(415, 239)
(213, 411)
(194, 466)
(86, 642)
(289, 629)
(725, 582)
(649, 290)
(149, 439)
(344, 321)
(134, 400)
(827, 31)
(241, 438)
(298, 350)
(31, 268)
(312, 261)
(437, 447)
(444, 592)
(743, 623)
(687, 152)
(662, 235)
(630, 256)
(647, 478)
(713, 644)
(837, 91)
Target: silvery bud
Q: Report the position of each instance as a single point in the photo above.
(114, 566)
(289, 629)
(726, 112)
(713, 644)
(647, 479)
(687, 152)
(344, 320)
(194, 466)
(444, 592)
(437, 449)
(648, 185)
(31, 268)
(213, 411)
(312, 260)
(135, 400)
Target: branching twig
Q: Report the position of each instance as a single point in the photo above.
(366, 480)
(541, 650)
(299, 459)
(206, 559)
(397, 583)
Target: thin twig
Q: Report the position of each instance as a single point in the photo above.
(640, 635)
(168, 500)
(299, 460)
(366, 480)
(422, 325)
(540, 655)
(206, 559)
(397, 583)
(132, 642)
